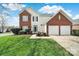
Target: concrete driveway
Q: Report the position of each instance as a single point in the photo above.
(70, 43)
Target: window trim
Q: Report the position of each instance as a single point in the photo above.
(25, 18)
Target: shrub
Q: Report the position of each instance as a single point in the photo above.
(7, 30)
(15, 30)
(45, 34)
(38, 34)
(26, 31)
(22, 32)
(41, 34)
(75, 32)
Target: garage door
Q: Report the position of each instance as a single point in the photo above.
(65, 30)
(53, 30)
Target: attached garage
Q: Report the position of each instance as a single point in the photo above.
(59, 30)
(59, 24)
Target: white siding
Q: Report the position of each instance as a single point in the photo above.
(45, 28)
(34, 22)
(41, 20)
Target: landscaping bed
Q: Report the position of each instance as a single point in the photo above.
(22, 45)
(75, 32)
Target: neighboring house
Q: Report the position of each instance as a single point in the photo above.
(57, 24)
(75, 24)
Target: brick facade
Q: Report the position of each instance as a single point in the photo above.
(25, 23)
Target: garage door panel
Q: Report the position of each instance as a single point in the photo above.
(64, 30)
(53, 30)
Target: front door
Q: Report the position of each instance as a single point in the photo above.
(35, 28)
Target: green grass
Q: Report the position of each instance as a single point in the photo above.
(21, 45)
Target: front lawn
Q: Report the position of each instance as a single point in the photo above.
(22, 45)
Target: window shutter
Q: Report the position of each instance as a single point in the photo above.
(33, 18)
(37, 18)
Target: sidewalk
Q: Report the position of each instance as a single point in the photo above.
(35, 37)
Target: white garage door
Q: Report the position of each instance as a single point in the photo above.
(53, 30)
(65, 30)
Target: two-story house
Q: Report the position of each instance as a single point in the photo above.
(33, 20)
(56, 24)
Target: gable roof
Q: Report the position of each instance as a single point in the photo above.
(23, 11)
(31, 11)
(64, 13)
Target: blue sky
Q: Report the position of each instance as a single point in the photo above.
(13, 10)
(71, 6)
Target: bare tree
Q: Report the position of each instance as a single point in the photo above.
(5, 11)
(2, 23)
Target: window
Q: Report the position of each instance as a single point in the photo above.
(33, 18)
(24, 27)
(59, 17)
(25, 18)
(37, 18)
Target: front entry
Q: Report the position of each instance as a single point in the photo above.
(35, 28)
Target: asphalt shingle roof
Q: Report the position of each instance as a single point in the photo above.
(75, 21)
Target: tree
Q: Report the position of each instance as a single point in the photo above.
(2, 22)
(5, 10)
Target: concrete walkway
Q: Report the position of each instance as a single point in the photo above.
(70, 43)
(35, 37)
(5, 34)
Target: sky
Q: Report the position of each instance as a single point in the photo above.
(11, 11)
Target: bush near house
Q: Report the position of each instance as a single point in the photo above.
(41, 34)
(8, 30)
(20, 31)
(75, 32)
(26, 31)
(16, 30)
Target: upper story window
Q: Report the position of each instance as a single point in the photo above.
(33, 18)
(37, 18)
(59, 17)
(25, 18)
